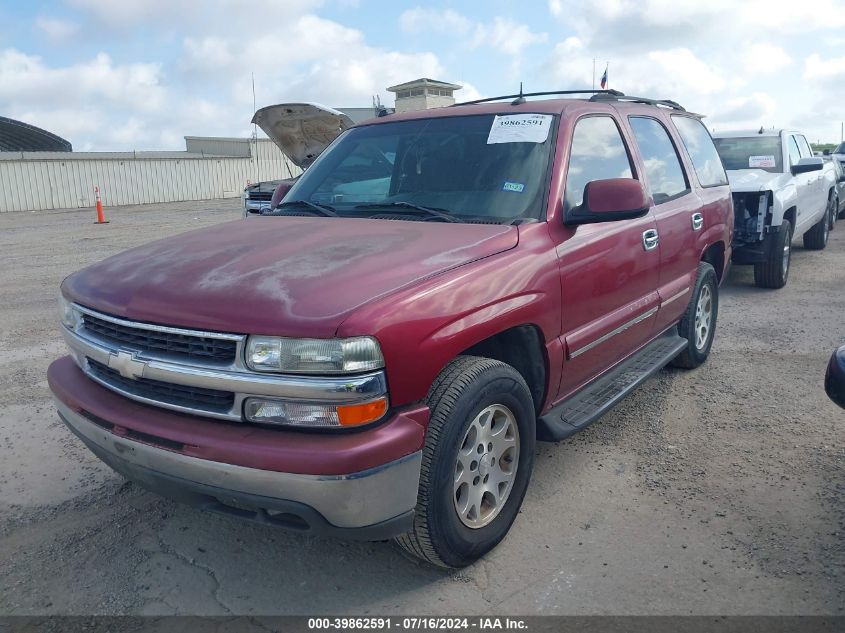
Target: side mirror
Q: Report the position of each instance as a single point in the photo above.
(825, 152)
(279, 193)
(806, 165)
(610, 200)
(834, 380)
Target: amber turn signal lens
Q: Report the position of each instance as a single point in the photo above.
(357, 414)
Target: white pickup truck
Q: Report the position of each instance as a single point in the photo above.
(780, 191)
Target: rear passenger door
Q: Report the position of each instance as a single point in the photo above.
(803, 187)
(676, 212)
(816, 194)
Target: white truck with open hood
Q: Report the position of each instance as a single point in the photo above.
(302, 131)
(780, 191)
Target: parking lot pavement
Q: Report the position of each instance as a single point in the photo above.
(718, 490)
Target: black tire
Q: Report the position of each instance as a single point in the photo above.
(695, 354)
(834, 210)
(774, 273)
(465, 387)
(816, 238)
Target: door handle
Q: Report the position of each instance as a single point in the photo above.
(650, 239)
(697, 221)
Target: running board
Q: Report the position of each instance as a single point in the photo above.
(594, 400)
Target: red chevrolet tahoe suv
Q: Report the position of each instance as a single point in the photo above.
(438, 291)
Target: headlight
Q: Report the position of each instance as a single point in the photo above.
(68, 314)
(303, 414)
(313, 355)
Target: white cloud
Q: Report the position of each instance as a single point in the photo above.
(506, 36)
(56, 29)
(817, 68)
(194, 15)
(467, 93)
(765, 58)
(445, 21)
(679, 69)
(753, 110)
(306, 59)
(26, 78)
(732, 61)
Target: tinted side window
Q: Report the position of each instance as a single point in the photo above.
(702, 152)
(794, 152)
(662, 166)
(804, 146)
(598, 152)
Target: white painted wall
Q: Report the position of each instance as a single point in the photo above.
(40, 181)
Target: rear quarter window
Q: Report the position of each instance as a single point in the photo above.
(701, 150)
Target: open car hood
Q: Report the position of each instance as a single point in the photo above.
(301, 130)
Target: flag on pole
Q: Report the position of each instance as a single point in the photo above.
(604, 78)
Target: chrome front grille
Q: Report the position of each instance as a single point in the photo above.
(194, 398)
(194, 371)
(167, 341)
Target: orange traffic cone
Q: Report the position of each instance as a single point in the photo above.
(101, 218)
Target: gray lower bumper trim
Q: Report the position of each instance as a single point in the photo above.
(346, 502)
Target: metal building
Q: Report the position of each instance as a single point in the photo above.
(210, 168)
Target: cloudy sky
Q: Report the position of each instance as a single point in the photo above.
(142, 74)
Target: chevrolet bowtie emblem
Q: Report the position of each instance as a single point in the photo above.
(127, 364)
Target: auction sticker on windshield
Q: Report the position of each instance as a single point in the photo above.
(520, 128)
(761, 161)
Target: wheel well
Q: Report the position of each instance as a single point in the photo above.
(522, 348)
(715, 256)
(789, 214)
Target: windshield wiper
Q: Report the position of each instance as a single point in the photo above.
(408, 207)
(319, 208)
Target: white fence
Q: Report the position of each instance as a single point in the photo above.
(40, 181)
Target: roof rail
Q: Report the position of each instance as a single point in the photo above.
(622, 97)
(610, 95)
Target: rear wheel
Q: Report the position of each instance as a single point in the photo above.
(698, 324)
(774, 272)
(816, 238)
(477, 462)
(834, 209)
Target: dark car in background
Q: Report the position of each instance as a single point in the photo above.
(839, 153)
(839, 196)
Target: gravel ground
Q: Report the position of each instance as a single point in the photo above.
(716, 491)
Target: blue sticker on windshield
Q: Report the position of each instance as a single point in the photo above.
(517, 187)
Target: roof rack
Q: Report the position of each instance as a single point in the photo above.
(610, 93)
(623, 97)
(597, 95)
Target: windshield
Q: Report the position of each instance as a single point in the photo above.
(751, 152)
(465, 167)
(840, 149)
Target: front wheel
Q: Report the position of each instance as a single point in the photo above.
(698, 325)
(477, 462)
(774, 272)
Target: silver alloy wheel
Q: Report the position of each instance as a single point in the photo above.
(486, 467)
(703, 317)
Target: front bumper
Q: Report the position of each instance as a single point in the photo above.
(354, 485)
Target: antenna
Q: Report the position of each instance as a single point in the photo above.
(255, 133)
(519, 99)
